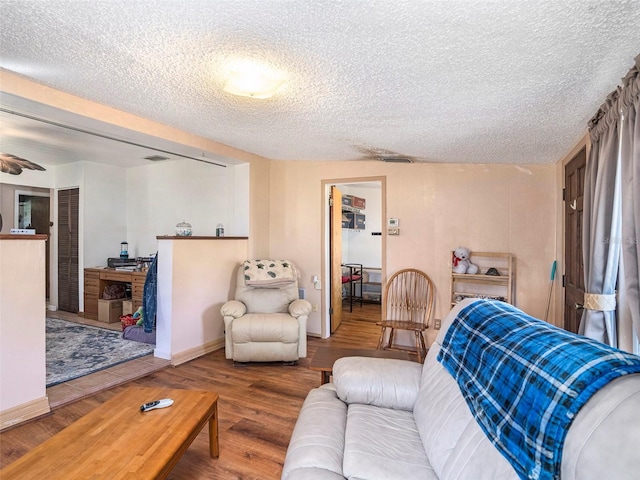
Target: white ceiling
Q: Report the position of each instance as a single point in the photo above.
(503, 81)
(49, 136)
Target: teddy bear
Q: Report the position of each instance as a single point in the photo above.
(461, 263)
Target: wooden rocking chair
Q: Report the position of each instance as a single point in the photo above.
(407, 305)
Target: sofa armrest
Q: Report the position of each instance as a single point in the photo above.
(299, 307)
(382, 382)
(233, 308)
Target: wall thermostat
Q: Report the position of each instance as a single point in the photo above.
(393, 222)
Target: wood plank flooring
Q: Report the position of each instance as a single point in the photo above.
(258, 407)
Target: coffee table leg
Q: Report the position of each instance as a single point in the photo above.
(326, 376)
(214, 447)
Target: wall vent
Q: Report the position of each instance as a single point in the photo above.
(396, 159)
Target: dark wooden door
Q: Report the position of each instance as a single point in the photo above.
(574, 266)
(68, 290)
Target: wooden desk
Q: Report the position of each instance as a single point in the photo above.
(325, 357)
(95, 279)
(118, 441)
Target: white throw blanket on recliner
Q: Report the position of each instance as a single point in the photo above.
(268, 272)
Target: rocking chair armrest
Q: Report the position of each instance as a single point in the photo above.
(382, 382)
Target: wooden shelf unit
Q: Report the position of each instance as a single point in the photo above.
(481, 285)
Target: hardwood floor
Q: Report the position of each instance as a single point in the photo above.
(258, 407)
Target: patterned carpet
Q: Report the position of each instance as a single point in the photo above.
(75, 350)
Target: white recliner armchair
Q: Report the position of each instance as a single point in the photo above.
(266, 322)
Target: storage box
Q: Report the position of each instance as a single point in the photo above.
(357, 202)
(127, 307)
(348, 220)
(347, 200)
(109, 311)
(355, 221)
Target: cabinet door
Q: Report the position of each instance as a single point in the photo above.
(91, 306)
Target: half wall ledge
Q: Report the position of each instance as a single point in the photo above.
(192, 237)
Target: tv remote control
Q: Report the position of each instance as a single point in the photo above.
(165, 402)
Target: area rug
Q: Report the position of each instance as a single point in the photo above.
(75, 350)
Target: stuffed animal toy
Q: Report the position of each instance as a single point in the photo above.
(461, 263)
(472, 269)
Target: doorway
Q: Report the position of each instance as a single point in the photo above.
(362, 244)
(32, 211)
(574, 266)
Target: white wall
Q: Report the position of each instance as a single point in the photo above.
(166, 193)
(195, 278)
(359, 246)
(239, 223)
(22, 330)
(104, 219)
(505, 208)
(31, 178)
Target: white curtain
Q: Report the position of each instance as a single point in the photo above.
(612, 215)
(629, 283)
(601, 227)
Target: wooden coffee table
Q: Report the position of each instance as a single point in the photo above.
(117, 440)
(325, 357)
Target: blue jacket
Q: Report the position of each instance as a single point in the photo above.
(150, 299)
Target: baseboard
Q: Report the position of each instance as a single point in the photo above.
(22, 413)
(196, 352)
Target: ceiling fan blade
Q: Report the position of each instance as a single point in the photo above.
(14, 165)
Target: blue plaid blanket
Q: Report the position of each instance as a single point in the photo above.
(525, 380)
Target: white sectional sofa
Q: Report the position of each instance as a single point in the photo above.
(385, 419)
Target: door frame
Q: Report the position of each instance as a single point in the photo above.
(326, 256)
(49, 267)
(16, 202)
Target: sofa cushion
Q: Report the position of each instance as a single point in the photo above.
(454, 443)
(607, 427)
(383, 444)
(474, 457)
(265, 352)
(382, 382)
(258, 327)
(492, 343)
(267, 300)
(317, 441)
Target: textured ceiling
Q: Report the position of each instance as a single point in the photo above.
(504, 81)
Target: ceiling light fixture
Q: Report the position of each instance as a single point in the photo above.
(251, 79)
